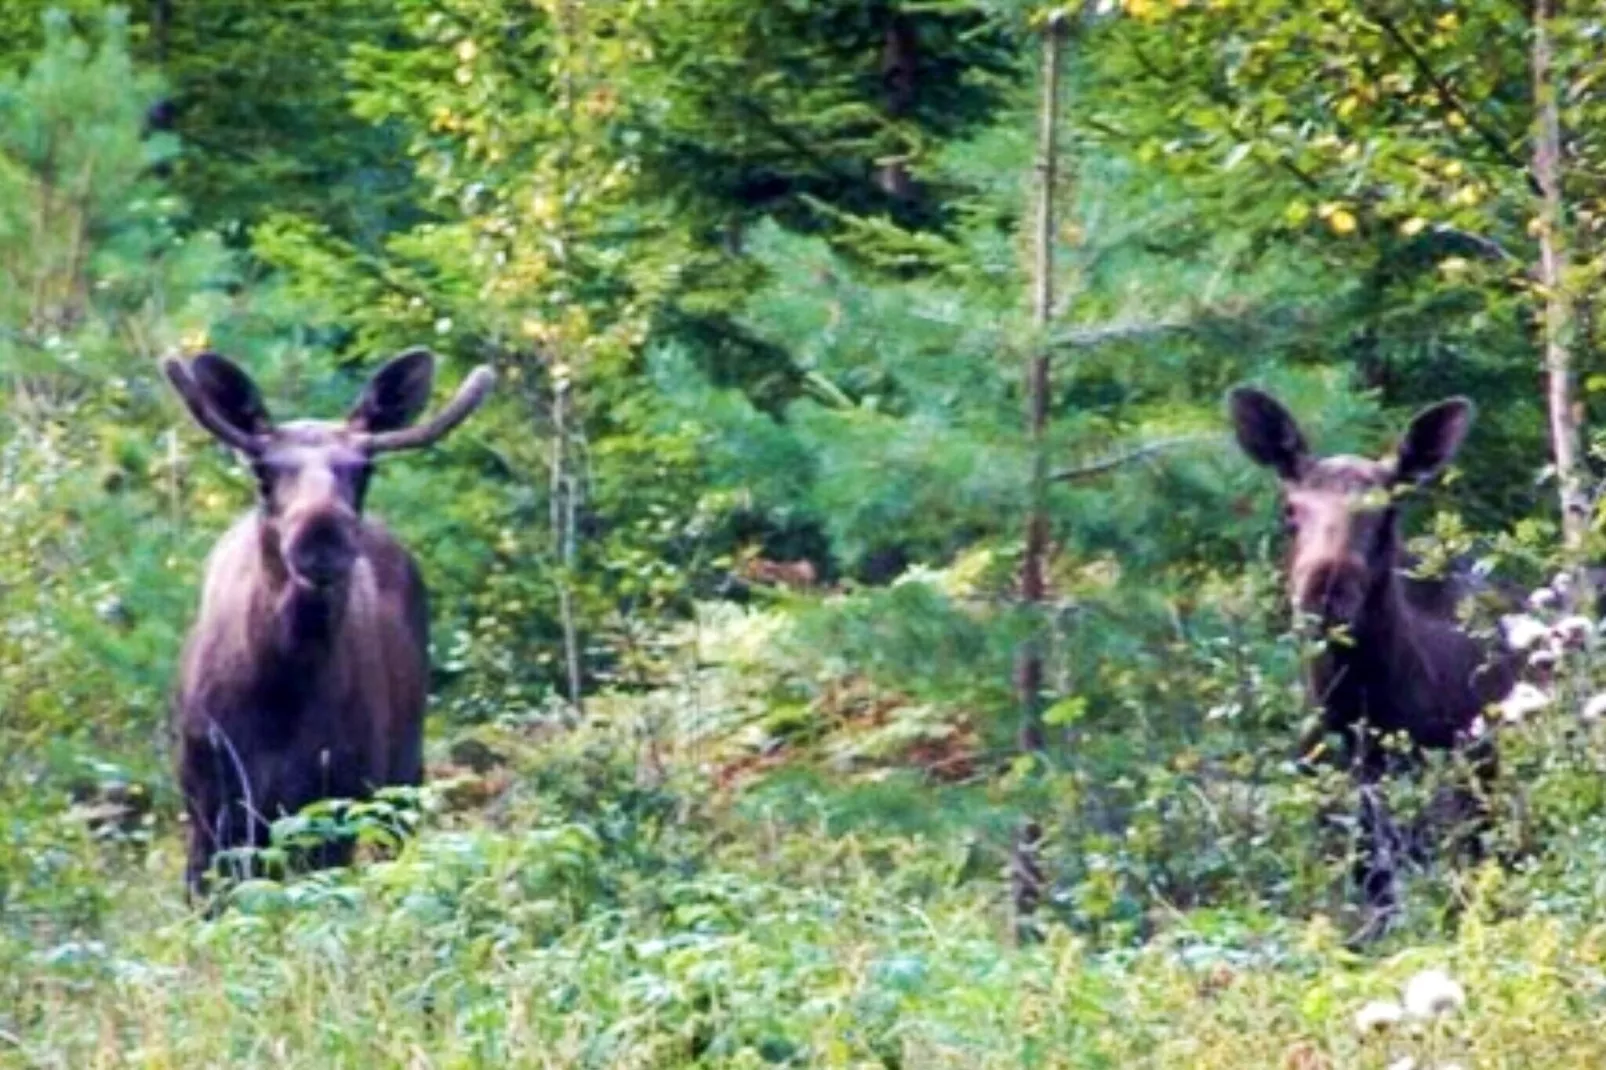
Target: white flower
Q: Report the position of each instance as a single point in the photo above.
(1544, 598)
(1524, 699)
(1404, 1062)
(1544, 658)
(1595, 708)
(1478, 728)
(1432, 993)
(1378, 1015)
(1523, 631)
(1574, 630)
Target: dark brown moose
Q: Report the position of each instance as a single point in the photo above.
(1387, 668)
(305, 675)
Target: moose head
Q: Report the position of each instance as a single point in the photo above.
(1341, 512)
(312, 475)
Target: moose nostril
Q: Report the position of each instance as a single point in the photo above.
(321, 549)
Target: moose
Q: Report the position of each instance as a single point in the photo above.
(1388, 668)
(305, 674)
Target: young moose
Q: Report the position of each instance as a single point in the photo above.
(305, 675)
(1389, 668)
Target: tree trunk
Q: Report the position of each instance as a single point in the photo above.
(1559, 323)
(564, 490)
(899, 57)
(1026, 870)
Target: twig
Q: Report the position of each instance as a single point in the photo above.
(1448, 95)
(1093, 337)
(1116, 460)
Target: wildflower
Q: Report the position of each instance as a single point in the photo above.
(1574, 630)
(1545, 658)
(1595, 708)
(1404, 1062)
(1478, 728)
(1523, 631)
(1432, 993)
(1378, 1016)
(1524, 699)
(1544, 598)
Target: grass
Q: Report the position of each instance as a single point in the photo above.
(609, 895)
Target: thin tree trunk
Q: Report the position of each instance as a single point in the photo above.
(1026, 871)
(563, 537)
(1559, 323)
(899, 60)
(564, 417)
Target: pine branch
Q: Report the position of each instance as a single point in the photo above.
(1117, 460)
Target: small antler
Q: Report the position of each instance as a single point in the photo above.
(178, 373)
(469, 397)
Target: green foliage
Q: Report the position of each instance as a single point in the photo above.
(757, 293)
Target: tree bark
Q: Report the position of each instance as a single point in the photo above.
(899, 60)
(1026, 872)
(1565, 438)
(564, 491)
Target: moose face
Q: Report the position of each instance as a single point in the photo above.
(1341, 512)
(312, 475)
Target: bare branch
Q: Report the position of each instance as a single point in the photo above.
(1117, 460)
(1105, 333)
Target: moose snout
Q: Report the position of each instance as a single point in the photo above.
(1333, 591)
(321, 549)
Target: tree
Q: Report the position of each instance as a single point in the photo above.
(1390, 138)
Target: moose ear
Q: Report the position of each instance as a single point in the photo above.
(396, 394)
(230, 393)
(1432, 439)
(1267, 433)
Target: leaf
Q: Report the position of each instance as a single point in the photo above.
(1066, 711)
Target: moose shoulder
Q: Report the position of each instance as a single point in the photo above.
(305, 674)
(1390, 667)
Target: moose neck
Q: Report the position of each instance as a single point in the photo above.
(309, 620)
(1373, 657)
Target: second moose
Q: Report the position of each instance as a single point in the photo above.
(1388, 668)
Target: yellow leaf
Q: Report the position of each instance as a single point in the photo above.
(1453, 265)
(1413, 226)
(1342, 221)
(467, 50)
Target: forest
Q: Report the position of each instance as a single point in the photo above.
(992, 533)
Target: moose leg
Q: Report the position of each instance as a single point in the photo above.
(218, 801)
(1377, 862)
